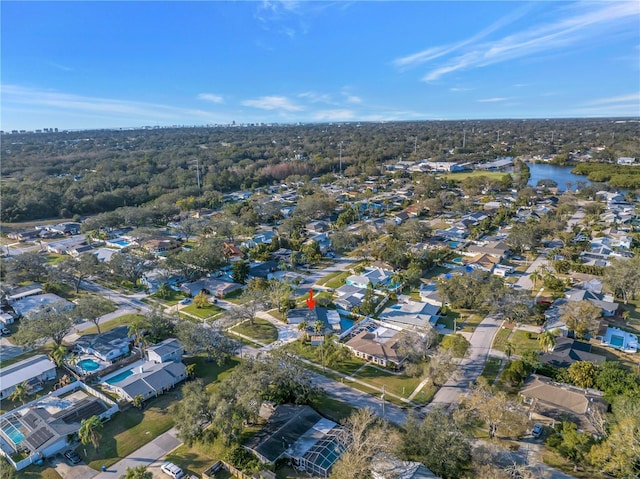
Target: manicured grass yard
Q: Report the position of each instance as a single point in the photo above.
(524, 341)
(204, 312)
(335, 279)
(125, 319)
(398, 384)
(471, 322)
(448, 320)
(314, 353)
(463, 175)
(261, 330)
(171, 299)
(129, 430)
(39, 472)
(331, 408)
(501, 338)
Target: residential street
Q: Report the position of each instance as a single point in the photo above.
(471, 366)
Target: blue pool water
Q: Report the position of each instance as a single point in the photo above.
(617, 341)
(396, 306)
(88, 365)
(122, 243)
(345, 323)
(13, 433)
(453, 244)
(119, 377)
(457, 260)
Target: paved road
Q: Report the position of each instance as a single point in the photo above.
(122, 300)
(471, 366)
(524, 282)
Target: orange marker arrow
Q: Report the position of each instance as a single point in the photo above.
(310, 301)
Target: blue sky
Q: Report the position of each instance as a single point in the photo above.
(77, 65)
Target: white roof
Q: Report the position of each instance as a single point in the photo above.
(24, 370)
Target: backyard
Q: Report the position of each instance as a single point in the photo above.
(204, 312)
(124, 320)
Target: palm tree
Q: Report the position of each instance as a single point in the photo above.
(20, 392)
(302, 326)
(138, 472)
(57, 354)
(318, 327)
(164, 290)
(547, 341)
(536, 276)
(191, 370)
(138, 400)
(508, 349)
(89, 431)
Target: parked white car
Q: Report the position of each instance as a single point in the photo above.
(172, 470)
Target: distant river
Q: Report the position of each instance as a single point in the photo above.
(559, 174)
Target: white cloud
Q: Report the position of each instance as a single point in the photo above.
(272, 103)
(21, 99)
(458, 89)
(633, 97)
(210, 97)
(567, 31)
(354, 99)
(315, 97)
(436, 52)
(333, 115)
(492, 100)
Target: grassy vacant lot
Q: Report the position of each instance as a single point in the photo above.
(261, 330)
(129, 430)
(471, 322)
(524, 341)
(125, 319)
(204, 312)
(398, 384)
(491, 368)
(502, 336)
(335, 280)
(314, 354)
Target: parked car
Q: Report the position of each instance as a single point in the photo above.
(72, 456)
(5, 331)
(537, 430)
(185, 301)
(172, 470)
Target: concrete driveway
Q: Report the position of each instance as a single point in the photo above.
(68, 471)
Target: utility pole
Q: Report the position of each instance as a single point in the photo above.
(415, 145)
(340, 158)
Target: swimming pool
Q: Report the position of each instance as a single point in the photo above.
(119, 377)
(396, 306)
(457, 260)
(88, 365)
(13, 433)
(120, 243)
(617, 341)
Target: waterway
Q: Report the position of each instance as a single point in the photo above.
(560, 174)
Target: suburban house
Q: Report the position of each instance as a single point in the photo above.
(262, 238)
(161, 245)
(64, 246)
(150, 380)
(31, 289)
(31, 306)
(166, 351)
(349, 297)
(263, 269)
(429, 294)
(33, 371)
(372, 341)
(376, 276)
(296, 432)
(68, 228)
(212, 286)
(408, 314)
(232, 252)
(567, 351)
(604, 301)
(108, 346)
(43, 427)
(553, 401)
(329, 317)
(385, 466)
(497, 249)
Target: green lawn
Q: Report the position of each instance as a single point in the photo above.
(173, 298)
(448, 320)
(332, 408)
(501, 338)
(425, 395)
(203, 313)
(335, 279)
(471, 322)
(398, 384)
(129, 430)
(435, 272)
(524, 341)
(125, 319)
(463, 175)
(491, 368)
(39, 472)
(314, 353)
(210, 372)
(261, 330)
